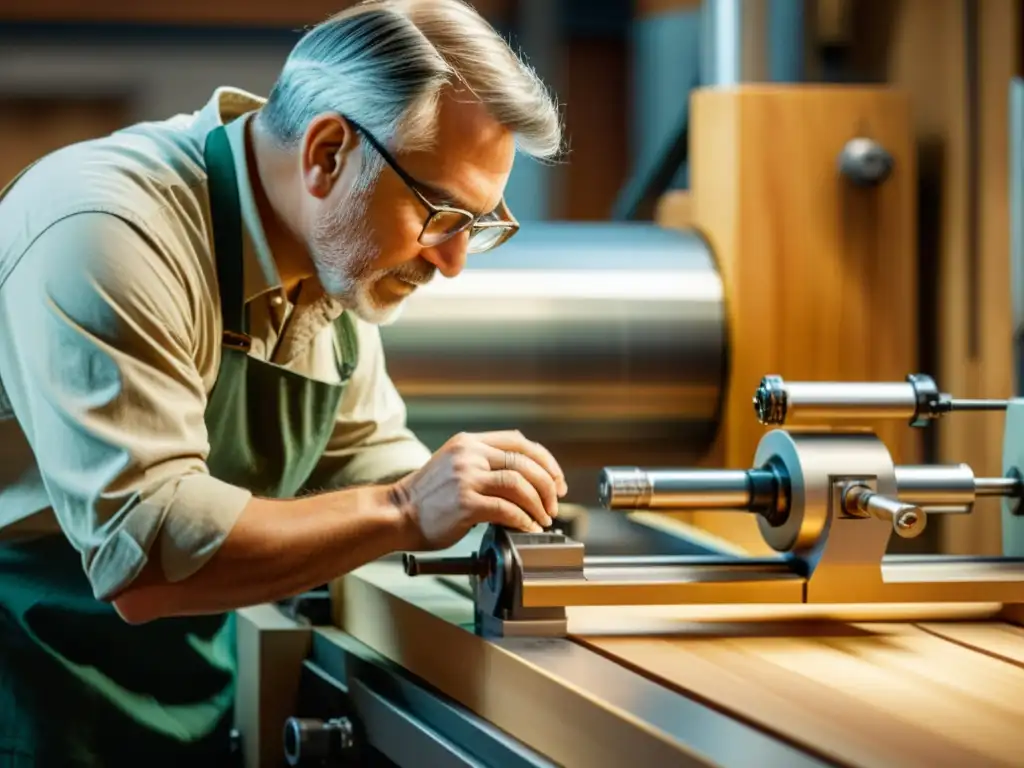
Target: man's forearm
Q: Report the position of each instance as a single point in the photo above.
(276, 549)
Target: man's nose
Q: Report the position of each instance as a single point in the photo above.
(450, 256)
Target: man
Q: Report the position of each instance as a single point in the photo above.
(195, 413)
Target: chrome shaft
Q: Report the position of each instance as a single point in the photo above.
(679, 489)
(951, 489)
(917, 400)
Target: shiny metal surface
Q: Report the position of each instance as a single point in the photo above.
(779, 402)
(1005, 487)
(634, 488)
(743, 583)
(951, 488)
(907, 520)
(1013, 466)
(802, 402)
(764, 491)
(942, 486)
(606, 342)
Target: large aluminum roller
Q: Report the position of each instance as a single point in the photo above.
(597, 339)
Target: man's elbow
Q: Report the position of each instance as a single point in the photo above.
(135, 608)
(144, 599)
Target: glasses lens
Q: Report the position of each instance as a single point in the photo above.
(444, 225)
(486, 238)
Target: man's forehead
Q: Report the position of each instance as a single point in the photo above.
(471, 157)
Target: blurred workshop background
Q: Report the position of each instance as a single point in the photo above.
(624, 70)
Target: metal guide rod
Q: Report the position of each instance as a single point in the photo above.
(946, 488)
(918, 400)
(632, 487)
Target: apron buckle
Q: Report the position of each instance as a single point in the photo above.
(235, 340)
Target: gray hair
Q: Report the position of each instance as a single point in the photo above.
(385, 64)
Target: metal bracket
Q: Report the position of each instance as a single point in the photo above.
(1013, 466)
(512, 560)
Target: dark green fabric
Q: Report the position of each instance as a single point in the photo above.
(78, 686)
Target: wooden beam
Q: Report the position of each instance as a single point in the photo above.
(248, 13)
(965, 269)
(819, 275)
(596, 93)
(652, 7)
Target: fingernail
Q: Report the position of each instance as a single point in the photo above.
(562, 487)
(536, 528)
(553, 511)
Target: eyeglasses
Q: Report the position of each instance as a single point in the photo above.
(486, 231)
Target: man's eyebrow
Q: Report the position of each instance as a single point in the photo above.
(450, 198)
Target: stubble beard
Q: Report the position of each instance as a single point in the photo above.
(344, 250)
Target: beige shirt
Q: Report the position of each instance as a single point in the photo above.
(110, 342)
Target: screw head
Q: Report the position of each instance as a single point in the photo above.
(907, 520)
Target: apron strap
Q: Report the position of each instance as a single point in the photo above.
(226, 213)
(346, 346)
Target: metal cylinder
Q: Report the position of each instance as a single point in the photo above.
(950, 489)
(745, 41)
(1004, 487)
(605, 342)
(938, 488)
(802, 402)
(635, 488)
(316, 742)
(763, 491)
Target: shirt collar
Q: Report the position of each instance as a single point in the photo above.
(232, 108)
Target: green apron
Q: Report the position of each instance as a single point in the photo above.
(80, 687)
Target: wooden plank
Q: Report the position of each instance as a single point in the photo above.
(267, 13)
(859, 694)
(896, 42)
(984, 370)
(653, 7)
(596, 96)
(820, 275)
(1004, 641)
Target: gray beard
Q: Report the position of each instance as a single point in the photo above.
(343, 252)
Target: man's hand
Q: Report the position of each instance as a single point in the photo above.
(493, 477)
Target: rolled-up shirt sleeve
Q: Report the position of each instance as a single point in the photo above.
(371, 441)
(96, 355)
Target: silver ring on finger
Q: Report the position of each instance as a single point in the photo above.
(510, 460)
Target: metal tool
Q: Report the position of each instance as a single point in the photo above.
(826, 501)
(918, 400)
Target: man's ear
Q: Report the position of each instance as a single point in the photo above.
(327, 145)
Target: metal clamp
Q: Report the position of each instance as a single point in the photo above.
(499, 570)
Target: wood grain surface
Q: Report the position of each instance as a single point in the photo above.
(874, 694)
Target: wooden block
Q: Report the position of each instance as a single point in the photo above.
(675, 210)
(271, 650)
(833, 20)
(820, 275)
